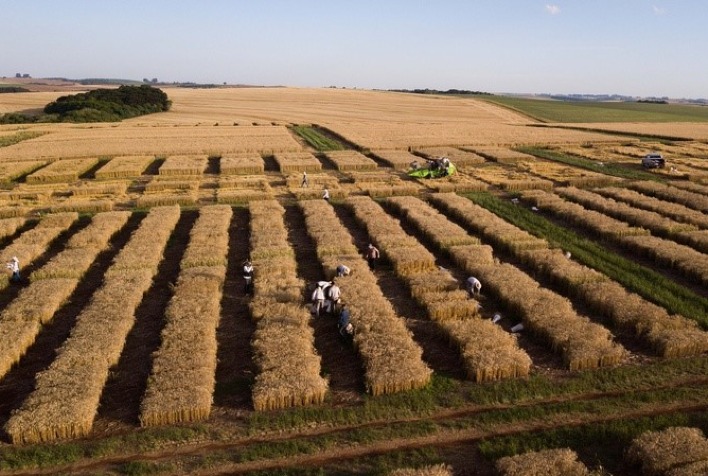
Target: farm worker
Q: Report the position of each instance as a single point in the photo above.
(567, 254)
(473, 285)
(345, 327)
(372, 255)
(318, 298)
(343, 270)
(304, 180)
(517, 328)
(248, 276)
(325, 194)
(334, 294)
(496, 318)
(445, 163)
(14, 266)
(414, 165)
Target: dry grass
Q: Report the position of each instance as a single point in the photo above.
(656, 452)
(125, 167)
(242, 164)
(436, 470)
(556, 462)
(82, 206)
(66, 170)
(241, 196)
(163, 184)
(186, 198)
(86, 189)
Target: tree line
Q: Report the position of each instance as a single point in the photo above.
(99, 105)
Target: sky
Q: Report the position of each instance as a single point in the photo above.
(652, 48)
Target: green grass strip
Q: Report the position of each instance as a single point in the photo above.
(647, 283)
(615, 170)
(603, 442)
(316, 139)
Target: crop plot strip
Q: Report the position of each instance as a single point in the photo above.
(283, 342)
(583, 344)
(181, 385)
(668, 336)
(392, 360)
(32, 243)
(66, 397)
(8, 226)
(21, 321)
(654, 222)
(65, 170)
(489, 352)
(697, 201)
(689, 262)
(675, 211)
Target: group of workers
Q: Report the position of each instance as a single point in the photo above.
(327, 298)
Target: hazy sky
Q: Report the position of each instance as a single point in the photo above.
(632, 47)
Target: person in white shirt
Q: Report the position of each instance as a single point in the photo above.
(14, 266)
(473, 286)
(325, 194)
(248, 276)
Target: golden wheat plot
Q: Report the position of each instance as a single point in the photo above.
(687, 261)
(66, 396)
(10, 171)
(509, 179)
(488, 351)
(351, 161)
(502, 155)
(675, 211)
(583, 344)
(398, 159)
(51, 285)
(242, 164)
(130, 139)
(297, 162)
(283, 342)
(697, 201)
(459, 157)
(392, 360)
(32, 243)
(599, 223)
(649, 220)
(8, 226)
(555, 462)
(125, 167)
(64, 170)
(243, 189)
(566, 175)
(183, 165)
(657, 452)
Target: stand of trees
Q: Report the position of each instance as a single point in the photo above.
(99, 105)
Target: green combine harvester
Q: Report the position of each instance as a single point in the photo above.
(435, 168)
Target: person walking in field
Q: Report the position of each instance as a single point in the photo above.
(346, 330)
(334, 294)
(473, 286)
(14, 267)
(304, 183)
(343, 270)
(372, 256)
(318, 298)
(325, 194)
(248, 276)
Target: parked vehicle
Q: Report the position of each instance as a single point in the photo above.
(653, 161)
